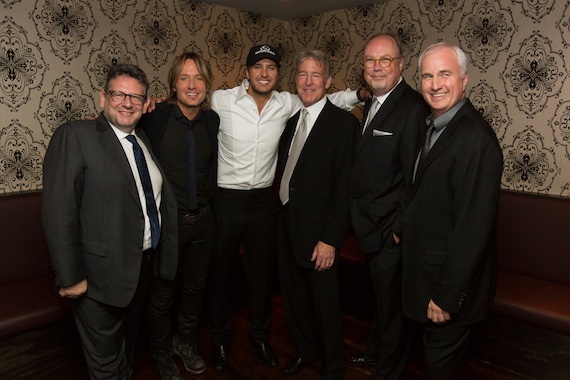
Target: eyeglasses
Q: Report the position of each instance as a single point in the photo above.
(119, 96)
(370, 62)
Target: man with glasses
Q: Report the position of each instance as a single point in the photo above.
(110, 221)
(383, 163)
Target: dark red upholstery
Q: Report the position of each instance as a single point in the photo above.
(27, 286)
(534, 259)
(533, 285)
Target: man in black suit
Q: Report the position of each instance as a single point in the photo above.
(183, 134)
(382, 166)
(448, 243)
(313, 165)
(110, 221)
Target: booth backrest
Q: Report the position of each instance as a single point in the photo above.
(533, 235)
(23, 249)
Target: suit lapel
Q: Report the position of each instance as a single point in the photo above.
(442, 142)
(112, 147)
(318, 132)
(385, 109)
(285, 143)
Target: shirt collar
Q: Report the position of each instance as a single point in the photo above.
(314, 110)
(120, 134)
(182, 118)
(382, 98)
(441, 121)
(242, 92)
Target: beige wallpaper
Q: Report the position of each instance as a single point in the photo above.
(54, 55)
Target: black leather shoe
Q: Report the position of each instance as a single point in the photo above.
(220, 357)
(294, 365)
(360, 360)
(266, 353)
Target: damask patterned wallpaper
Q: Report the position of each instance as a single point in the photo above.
(54, 55)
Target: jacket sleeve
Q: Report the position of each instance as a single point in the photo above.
(63, 182)
(338, 214)
(475, 182)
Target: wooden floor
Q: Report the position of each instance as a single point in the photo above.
(54, 353)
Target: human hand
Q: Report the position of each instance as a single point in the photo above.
(74, 291)
(323, 256)
(152, 102)
(436, 314)
(396, 238)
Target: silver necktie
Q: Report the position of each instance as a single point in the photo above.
(296, 148)
(374, 107)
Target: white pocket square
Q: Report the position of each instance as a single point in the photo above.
(376, 132)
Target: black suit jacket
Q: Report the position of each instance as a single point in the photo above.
(92, 214)
(449, 252)
(154, 126)
(318, 189)
(383, 165)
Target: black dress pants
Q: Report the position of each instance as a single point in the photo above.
(195, 250)
(445, 348)
(109, 333)
(248, 217)
(312, 306)
(390, 339)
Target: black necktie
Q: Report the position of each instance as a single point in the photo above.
(192, 191)
(151, 209)
(427, 141)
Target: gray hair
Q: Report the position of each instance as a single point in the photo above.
(319, 56)
(461, 56)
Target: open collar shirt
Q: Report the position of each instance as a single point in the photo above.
(248, 139)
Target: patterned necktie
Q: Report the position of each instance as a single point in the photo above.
(144, 174)
(296, 148)
(374, 107)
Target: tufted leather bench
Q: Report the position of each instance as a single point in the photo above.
(27, 285)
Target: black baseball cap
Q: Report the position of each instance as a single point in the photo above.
(260, 52)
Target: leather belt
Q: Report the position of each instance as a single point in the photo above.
(193, 217)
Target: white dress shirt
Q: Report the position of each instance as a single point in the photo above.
(155, 177)
(248, 139)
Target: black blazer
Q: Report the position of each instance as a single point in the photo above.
(383, 165)
(92, 215)
(154, 125)
(449, 250)
(318, 189)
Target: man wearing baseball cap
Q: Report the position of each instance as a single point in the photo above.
(259, 52)
(252, 117)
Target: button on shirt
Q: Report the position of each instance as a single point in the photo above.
(248, 139)
(155, 177)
